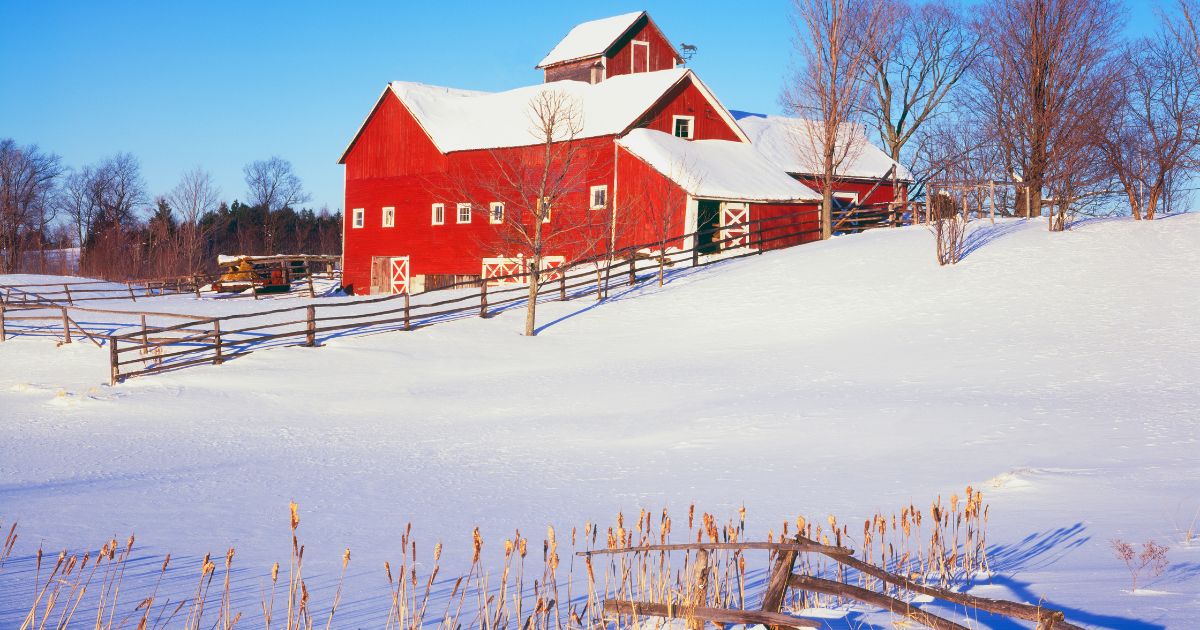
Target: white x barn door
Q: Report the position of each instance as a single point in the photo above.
(399, 274)
(734, 231)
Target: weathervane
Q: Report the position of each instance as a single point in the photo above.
(689, 51)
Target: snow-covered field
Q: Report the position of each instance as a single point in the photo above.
(1060, 373)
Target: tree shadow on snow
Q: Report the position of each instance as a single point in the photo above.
(984, 235)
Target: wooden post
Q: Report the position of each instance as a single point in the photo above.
(66, 326)
(310, 339)
(562, 286)
(992, 200)
(217, 358)
(483, 300)
(67, 290)
(130, 288)
(312, 293)
(3, 333)
(781, 573)
(196, 285)
(632, 268)
(114, 369)
(145, 341)
(407, 321)
(700, 594)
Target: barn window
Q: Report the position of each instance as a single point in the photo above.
(843, 201)
(439, 213)
(599, 197)
(683, 126)
(464, 213)
(389, 217)
(546, 208)
(496, 213)
(358, 217)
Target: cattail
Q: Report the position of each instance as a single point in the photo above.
(166, 561)
(508, 547)
(387, 568)
(275, 572)
(437, 552)
(229, 558)
(295, 515)
(478, 543)
(691, 514)
(345, 558)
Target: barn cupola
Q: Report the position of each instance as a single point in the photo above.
(602, 49)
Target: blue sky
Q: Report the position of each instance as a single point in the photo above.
(219, 84)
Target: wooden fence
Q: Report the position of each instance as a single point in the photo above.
(155, 346)
(782, 576)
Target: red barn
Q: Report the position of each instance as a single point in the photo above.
(660, 155)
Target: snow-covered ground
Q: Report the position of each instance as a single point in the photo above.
(1060, 373)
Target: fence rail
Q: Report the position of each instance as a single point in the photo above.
(156, 346)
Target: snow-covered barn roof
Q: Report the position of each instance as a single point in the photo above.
(788, 142)
(590, 39)
(716, 169)
(463, 120)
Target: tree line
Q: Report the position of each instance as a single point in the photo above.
(99, 220)
(1041, 105)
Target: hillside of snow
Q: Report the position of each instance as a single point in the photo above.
(1059, 373)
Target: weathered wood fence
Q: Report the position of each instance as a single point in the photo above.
(782, 576)
(155, 346)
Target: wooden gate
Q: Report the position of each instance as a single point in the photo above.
(549, 264)
(735, 230)
(399, 275)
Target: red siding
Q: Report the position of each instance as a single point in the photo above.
(686, 99)
(650, 207)
(454, 248)
(392, 144)
(782, 221)
(620, 57)
(883, 194)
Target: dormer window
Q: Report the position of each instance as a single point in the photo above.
(684, 126)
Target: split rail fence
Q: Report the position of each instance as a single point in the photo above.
(783, 575)
(164, 342)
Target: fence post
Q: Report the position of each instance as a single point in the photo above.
(67, 290)
(562, 286)
(3, 332)
(66, 326)
(196, 285)
(131, 295)
(700, 593)
(483, 300)
(312, 293)
(407, 321)
(114, 368)
(772, 600)
(217, 358)
(632, 268)
(310, 339)
(695, 252)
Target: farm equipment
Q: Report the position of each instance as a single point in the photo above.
(244, 272)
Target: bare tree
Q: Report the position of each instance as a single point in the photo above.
(836, 40)
(27, 177)
(545, 207)
(928, 49)
(1153, 138)
(193, 197)
(1044, 85)
(272, 185)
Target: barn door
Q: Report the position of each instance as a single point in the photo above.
(399, 275)
(640, 56)
(549, 266)
(503, 270)
(735, 232)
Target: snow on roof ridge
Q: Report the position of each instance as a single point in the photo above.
(777, 138)
(460, 120)
(716, 169)
(590, 38)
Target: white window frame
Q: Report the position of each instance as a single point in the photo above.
(633, 55)
(691, 126)
(439, 214)
(492, 219)
(458, 214)
(604, 189)
(389, 216)
(358, 217)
